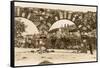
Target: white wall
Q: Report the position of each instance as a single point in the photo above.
(5, 33)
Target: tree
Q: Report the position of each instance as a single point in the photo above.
(19, 29)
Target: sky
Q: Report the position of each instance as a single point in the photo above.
(56, 6)
(30, 27)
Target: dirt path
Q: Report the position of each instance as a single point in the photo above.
(26, 57)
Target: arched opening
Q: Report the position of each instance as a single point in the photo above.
(63, 23)
(25, 32)
(30, 26)
(65, 32)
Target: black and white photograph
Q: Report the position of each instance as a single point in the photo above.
(51, 33)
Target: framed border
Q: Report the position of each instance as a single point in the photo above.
(12, 50)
